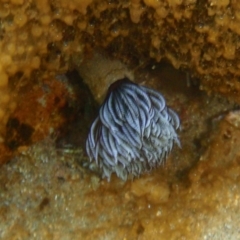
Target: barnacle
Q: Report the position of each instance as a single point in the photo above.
(134, 131)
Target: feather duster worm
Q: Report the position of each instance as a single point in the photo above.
(134, 131)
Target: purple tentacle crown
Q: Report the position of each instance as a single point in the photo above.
(134, 132)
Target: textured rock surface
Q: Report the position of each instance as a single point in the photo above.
(42, 36)
(46, 194)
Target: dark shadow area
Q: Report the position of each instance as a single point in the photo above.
(79, 113)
